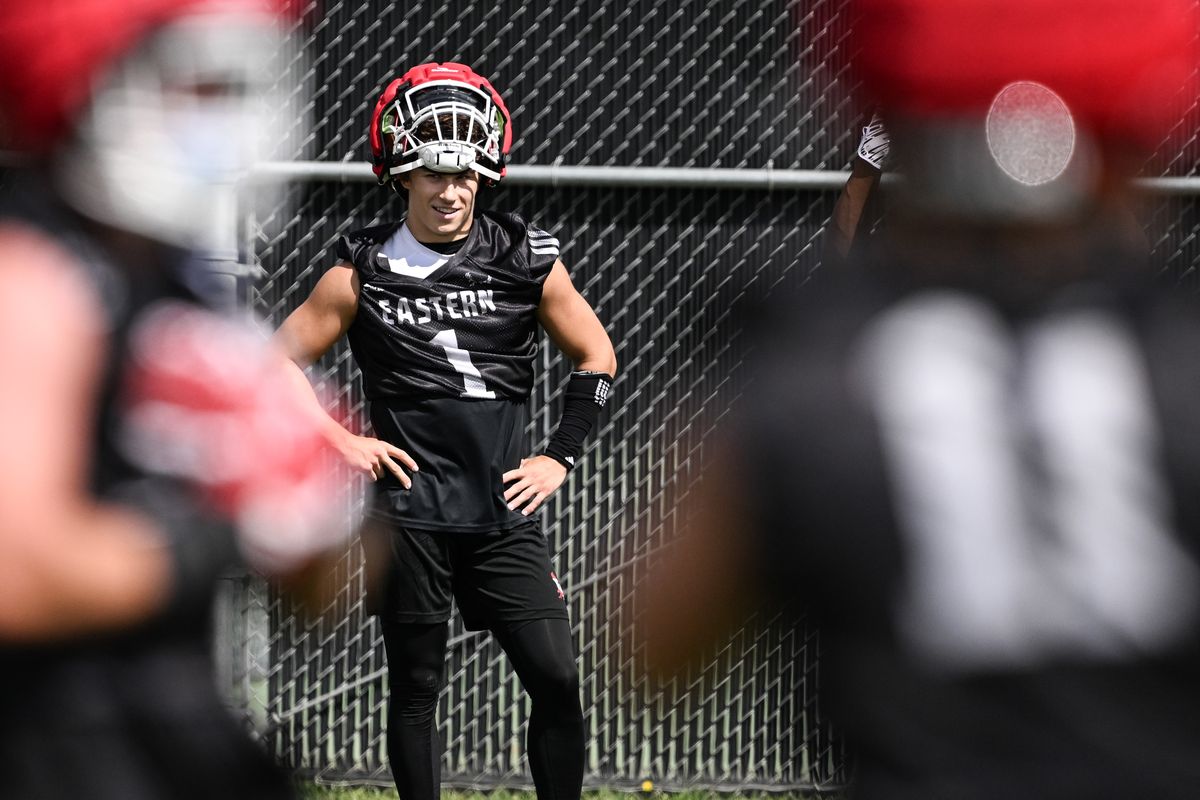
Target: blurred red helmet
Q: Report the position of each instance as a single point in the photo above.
(1126, 70)
(54, 53)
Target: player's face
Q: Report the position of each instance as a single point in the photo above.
(173, 126)
(441, 206)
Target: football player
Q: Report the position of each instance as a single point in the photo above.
(972, 454)
(139, 426)
(441, 310)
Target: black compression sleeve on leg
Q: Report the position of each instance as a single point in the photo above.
(586, 394)
(542, 652)
(416, 657)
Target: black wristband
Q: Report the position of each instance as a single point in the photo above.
(586, 394)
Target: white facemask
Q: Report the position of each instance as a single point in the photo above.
(173, 128)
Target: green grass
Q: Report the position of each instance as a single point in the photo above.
(309, 791)
(313, 792)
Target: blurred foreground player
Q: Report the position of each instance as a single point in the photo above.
(974, 457)
(441, 310)
(148, 442)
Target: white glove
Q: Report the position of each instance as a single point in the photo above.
(875, 143)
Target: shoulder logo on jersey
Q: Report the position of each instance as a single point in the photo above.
(542, 243)
(463, 304)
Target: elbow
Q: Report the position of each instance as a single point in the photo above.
(597, 361)
(608, 358)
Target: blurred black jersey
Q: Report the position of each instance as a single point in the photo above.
(446, 344)
(126, 714)
(991, 506)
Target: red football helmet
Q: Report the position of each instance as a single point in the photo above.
(443, 117)
(1123, 69)
(48, 69)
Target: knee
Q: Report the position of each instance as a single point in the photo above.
(556, 682)
(565, 678)
(415, 684)
(414, 696)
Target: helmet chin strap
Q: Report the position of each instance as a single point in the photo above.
(447, 156)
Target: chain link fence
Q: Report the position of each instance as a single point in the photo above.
(693, 83)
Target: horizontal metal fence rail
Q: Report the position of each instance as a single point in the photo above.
(556, 175)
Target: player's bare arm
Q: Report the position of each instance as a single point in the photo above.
(306, 335)
(846, 222)
(576, 330)
(573, 326)
(709, 563)
(848, 211)
(68, 564)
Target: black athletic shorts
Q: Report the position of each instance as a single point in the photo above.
(495, 576)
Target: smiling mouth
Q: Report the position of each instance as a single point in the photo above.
(445, 211)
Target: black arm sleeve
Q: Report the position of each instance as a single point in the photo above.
(586, 394)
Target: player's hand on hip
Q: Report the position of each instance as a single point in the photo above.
(532, 482)
(376, 458)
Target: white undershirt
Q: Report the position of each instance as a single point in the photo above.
(406, 256)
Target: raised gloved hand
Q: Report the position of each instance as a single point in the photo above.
(875, 143)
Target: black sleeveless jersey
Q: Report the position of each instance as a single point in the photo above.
(446, 345)
(131, 714)
(464, 327)
(992, 509)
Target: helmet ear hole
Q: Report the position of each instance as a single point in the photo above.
(375, 135)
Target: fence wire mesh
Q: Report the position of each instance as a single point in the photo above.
(691, 83)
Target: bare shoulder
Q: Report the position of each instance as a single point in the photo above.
(323, 318)
(558, 283)
(335, 295)
(338, 287)
(43, 288)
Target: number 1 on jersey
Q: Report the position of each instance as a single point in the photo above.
(460, 360)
